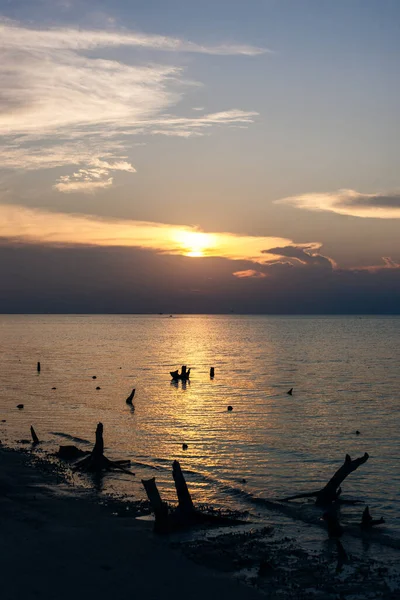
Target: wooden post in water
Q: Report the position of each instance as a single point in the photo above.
(185, 501)
(212, 372)
(159, 507)
(35, 439)
(38, 367)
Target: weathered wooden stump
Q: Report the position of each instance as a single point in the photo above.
(367, 521)
(185, 515)
(35, 439)
(183, 375)
(96, 462)
(130, 397)
(331, 492)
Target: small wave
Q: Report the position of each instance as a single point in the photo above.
(70, 437)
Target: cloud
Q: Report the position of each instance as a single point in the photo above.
(44, 278)
(303, 255)
(82, 182)
(28, 225)
(249, 273)
(388, 263)
(63, 101)
(384, 205)
(15, 36)
(90, 180)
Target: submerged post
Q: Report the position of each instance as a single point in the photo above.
(38, 367)
(212, 372)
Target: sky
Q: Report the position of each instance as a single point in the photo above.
(191, 157)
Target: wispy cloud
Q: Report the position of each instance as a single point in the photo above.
(384, 205)
(63, 101)
(91, 179)
(13, 35)
(249, 274)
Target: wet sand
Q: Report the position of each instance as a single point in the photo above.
(57, 543)
(61, 541)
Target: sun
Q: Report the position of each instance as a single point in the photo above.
(194, 243)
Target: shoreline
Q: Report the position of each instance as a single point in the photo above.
(57, 543)
(69, 541)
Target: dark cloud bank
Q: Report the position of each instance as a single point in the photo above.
(40, 279)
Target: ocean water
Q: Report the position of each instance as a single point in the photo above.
(345, 372)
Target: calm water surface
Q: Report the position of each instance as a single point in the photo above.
(344, 371)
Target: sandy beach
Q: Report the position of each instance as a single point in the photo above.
(57, 542)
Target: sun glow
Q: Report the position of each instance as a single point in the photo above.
(194, 243)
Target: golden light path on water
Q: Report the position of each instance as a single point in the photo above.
(344, 372)
(39, 226)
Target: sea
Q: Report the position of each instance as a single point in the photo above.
(344, 371)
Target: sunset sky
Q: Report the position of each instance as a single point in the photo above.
(205, 156)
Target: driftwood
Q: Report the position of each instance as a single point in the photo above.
(35, 439)
(160, 508)
(367, 521)
(130, 397)
(185, 505)
(331, 492)
(183, 375)
(96, 462)
(71, 452)
(185, 515)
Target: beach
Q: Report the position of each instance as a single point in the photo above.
(58, 540)
(58, 543)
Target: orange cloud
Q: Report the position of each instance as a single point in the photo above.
(249, 273)
(40, 226)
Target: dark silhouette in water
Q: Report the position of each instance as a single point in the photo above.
(130, 397)
(335, 530)
(20, 406)
(290, 392)
(185, 515)
(212, 372)
(184, 446)
(367, 521)
(230, 408)
(35, 439)
(38, 367)
(332, 490)
(96, 462)
(183, 375)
